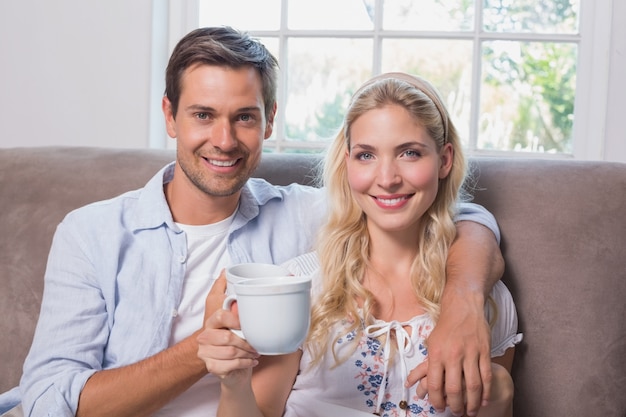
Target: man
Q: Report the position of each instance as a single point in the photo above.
(127, 279)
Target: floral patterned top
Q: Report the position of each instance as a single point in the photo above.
(371, 379)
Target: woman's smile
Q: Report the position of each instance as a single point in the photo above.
(392, 201)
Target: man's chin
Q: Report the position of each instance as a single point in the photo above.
(225, 189)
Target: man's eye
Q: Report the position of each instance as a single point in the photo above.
(245, 117)
(202, 116)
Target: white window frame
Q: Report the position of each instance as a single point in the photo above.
(592, 90)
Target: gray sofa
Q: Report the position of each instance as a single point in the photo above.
(564, 240)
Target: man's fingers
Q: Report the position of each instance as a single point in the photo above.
(435, 387)
(216, 296)
(222, 344)
(453, 390)
(473, 388)
(486, 376)
(219, 286)
(221, 350)
(222, 319)
(220, 361)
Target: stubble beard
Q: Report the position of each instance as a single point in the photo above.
(216, 185)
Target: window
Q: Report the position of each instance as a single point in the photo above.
(515, 75)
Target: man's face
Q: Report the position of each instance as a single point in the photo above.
(220, 127)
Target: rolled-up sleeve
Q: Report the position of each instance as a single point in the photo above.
(478, 214)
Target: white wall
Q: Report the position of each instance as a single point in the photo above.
(76, 72)
(615, 149)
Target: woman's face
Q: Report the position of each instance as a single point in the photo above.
(394, 168)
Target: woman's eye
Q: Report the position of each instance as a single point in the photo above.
(412, 153)
(364, 156)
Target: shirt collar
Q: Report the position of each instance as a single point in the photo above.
(153, 210)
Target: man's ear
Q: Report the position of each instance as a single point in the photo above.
(170, 120)
(446, 156)
(269, 125)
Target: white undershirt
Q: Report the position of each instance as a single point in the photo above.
(207, 256)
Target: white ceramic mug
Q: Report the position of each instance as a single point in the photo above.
(239, 272)
(274, 312)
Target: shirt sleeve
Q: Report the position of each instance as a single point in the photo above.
(502, 315)
(478, 214)
(9, 400)
(307, 264)
(71, 332)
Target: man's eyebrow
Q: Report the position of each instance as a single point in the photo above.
(209, 109)
(250, 109)
(199, 107)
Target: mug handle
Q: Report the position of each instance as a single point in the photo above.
(228, 303)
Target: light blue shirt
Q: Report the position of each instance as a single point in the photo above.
(114, 280)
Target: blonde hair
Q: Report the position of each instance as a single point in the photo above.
(343, 243)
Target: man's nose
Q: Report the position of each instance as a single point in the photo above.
(223, 136)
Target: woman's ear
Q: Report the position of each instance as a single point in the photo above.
(446, 156)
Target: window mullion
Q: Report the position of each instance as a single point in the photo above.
(283, 76)
(476, 78)
(377, 53)
(592, 77)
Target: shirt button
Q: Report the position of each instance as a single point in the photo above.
(182, 259)
(174, 312)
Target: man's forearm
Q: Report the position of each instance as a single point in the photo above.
(475, 262)
(142, 388)
(458, 347)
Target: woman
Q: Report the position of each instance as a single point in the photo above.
(393, 176)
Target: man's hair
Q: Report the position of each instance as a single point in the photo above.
(221, 46)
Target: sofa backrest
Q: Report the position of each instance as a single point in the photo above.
(564, 243)
(563, 239)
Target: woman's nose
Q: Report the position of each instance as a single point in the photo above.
(388, 175)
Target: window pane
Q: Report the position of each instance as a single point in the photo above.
(323, 74)
(447, 64)
(331, 14)
(439, 15)
(531, 16)
(244, 15)
(527, 97)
